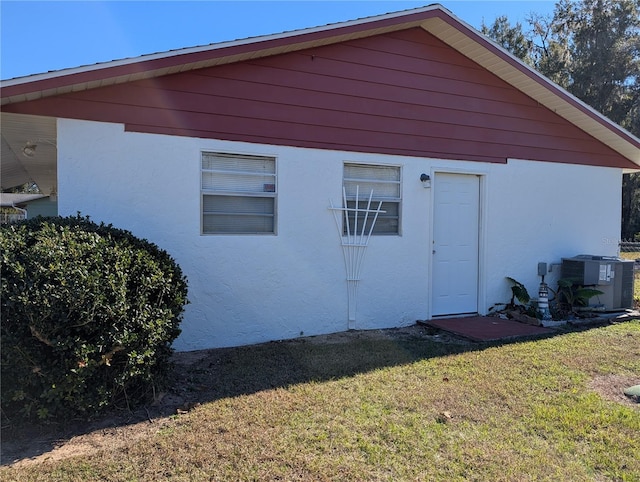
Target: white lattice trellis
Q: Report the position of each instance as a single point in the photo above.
(354, 243)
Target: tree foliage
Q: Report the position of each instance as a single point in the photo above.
(26, 188)
(592, 49)
(512, 38)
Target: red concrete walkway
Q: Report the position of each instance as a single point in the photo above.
(487, 328)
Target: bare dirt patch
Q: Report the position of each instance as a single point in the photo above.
(417, 331)
(30, 447)
(611, 387)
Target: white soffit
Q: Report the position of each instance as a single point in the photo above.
(536, 86)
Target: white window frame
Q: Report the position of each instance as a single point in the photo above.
(211, 176)
(363, 180)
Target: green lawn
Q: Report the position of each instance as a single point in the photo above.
(407, 408)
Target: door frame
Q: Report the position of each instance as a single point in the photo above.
(482, 234)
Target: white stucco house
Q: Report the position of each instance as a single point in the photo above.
(233, 157)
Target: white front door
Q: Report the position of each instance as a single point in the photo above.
(455, 247)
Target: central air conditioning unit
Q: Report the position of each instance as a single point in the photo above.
(613, 276)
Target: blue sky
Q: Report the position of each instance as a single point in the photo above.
(39, 36)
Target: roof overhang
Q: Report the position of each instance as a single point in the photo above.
(434, 19)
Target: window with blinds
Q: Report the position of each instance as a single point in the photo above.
(385, 182)
(238, 194)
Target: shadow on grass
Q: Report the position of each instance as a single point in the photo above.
(245, 370)
(209, 375)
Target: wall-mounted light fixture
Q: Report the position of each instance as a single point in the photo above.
(425, 180)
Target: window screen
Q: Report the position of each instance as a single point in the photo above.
(385, 183)
(238, 194)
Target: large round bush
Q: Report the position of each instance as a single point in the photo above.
(89, 313)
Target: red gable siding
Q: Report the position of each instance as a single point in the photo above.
(404, 93)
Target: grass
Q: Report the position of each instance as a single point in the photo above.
(636, 286)
(630, 255)
(392, 409)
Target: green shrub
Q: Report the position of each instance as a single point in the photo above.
(89, 313)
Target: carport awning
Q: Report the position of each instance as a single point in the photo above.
(29, 152)
(18, 199)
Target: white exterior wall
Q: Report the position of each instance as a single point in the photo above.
(247, 289)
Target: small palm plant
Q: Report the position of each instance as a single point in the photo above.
(523, 306)
(518, 292)
(571, 296)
